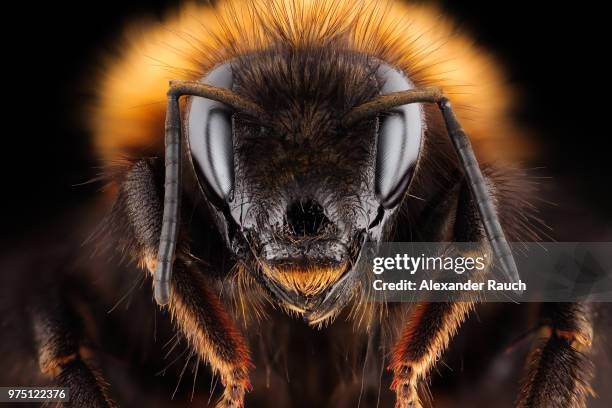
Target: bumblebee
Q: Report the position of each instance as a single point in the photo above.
(251, 149)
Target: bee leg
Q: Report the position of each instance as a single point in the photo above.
(195, 308)
(430, 326)
(423, 339)
(136, 217)
(559, 369)
(203, 320)
(59, 356)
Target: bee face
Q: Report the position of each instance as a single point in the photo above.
(303, 128)
(304, 191)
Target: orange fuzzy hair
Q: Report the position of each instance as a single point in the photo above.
(306, 281)
(128, 116)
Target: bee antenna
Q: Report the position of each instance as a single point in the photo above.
(172, 198)
(391, 100)
(480, 190)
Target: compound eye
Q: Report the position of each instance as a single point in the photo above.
(209, 134)
(400, 134)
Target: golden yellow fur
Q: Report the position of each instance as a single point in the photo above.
(308, 281)
(129, 113)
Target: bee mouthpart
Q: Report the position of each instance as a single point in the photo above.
(306, 280)
(315, 281)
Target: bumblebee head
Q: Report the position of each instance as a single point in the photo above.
(297, 189)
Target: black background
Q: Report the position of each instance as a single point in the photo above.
(554, 52)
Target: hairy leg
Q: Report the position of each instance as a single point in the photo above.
(559, 370)
(59, 355)
(195, 308)
(422, 341)
(430, 326)
(203, 320)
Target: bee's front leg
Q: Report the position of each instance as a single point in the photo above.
(197, 311)
(430, 326)
(203, 320)
(423, 339)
